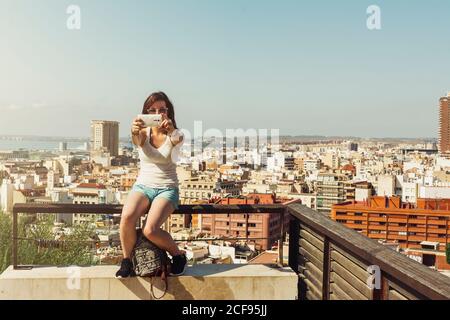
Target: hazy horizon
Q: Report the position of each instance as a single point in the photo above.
(87, 137)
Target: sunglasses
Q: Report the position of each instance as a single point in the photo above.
(154, 111)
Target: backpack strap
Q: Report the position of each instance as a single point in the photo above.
(164, 273)
(165, 289)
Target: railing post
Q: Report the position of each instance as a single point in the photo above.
(14, 240)
(326, 269)
(280, 241)
(384, 288)
(294, 238)
(246, 227)
(381, 293)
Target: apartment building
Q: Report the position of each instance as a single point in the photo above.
(444, 124)
(259, 225)
(105, 136)
(330, 189)
(410, 226)
(89, 193)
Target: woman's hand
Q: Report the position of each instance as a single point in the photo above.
(166, 124)
(137, 126)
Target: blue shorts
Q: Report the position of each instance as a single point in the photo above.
(171, 194)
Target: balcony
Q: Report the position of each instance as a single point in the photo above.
(327, 261)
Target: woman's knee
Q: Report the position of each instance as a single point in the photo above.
(128, 218)
(135, 207)
(150, 231)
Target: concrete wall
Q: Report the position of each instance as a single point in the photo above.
(207, 282)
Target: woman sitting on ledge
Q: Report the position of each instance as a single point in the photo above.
(156, 187)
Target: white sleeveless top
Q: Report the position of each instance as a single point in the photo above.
(158, 169)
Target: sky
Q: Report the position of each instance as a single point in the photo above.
(303, 67)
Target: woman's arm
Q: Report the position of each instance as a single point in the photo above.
(139, 139)
(138, 132)
(176, 137)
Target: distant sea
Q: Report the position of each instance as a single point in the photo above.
(6, 145)
(47, 145)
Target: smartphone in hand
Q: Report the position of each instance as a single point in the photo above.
(150, 120)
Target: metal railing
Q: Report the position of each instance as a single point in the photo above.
(331, 260)
(55, 208)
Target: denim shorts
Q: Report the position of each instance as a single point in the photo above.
(171, 194)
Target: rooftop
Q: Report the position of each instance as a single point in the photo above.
(437, 207)
(91, 185)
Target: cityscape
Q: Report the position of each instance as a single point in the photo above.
(395, 193)
(314, 204)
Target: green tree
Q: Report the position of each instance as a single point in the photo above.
(5, 241)
(75, 248)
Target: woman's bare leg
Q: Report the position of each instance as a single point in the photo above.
(159, 212)
(136, 205)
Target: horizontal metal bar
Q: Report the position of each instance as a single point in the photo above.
(212, 239)
(94, 241)
(117, 209)
(103, 209)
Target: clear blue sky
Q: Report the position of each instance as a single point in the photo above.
(305, 67)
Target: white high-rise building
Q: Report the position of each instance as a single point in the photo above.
(386, 185)
(63, 146)
(105, 136)
(6, 196)
(52, 180)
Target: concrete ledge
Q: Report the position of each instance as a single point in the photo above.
(204, 282)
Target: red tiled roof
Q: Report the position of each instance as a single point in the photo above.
(348, 167)
(91, 185)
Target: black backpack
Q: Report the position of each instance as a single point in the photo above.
(150, 261)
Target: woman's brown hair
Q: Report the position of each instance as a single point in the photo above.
(160, 96)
